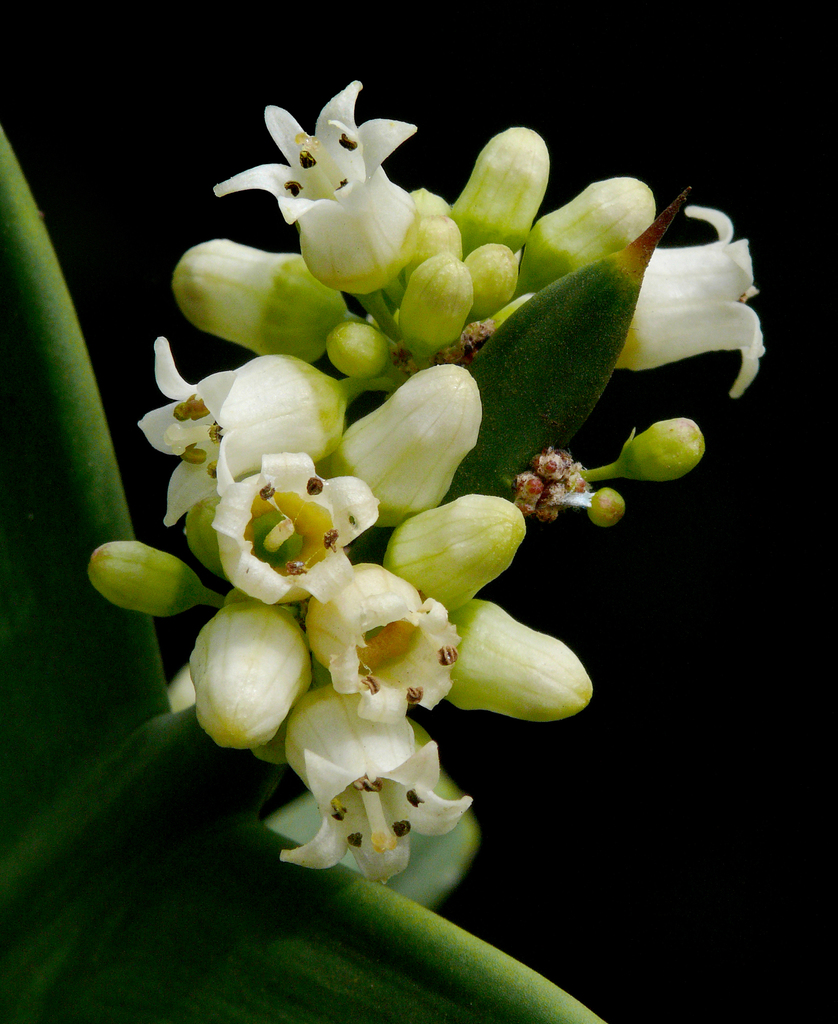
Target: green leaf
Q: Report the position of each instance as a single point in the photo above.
(78, 673)
(152, 895)
(545, 368)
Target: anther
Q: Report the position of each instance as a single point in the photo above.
(294, 187)
(346, 142)
(306, 159)
(314, 485)
(447, 655)
(413, 799)
(401, 828)
(354, 839)
(329, 539)
(414, 694)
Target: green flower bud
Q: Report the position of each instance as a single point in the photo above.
(268, 302)
(607, 507)
(428, 204)
(435, 235)
(250, 664)
(599, 221)
(505, 190)
(357, 349)
(494, 274)
(436, 304)
(666, 451)
(135, 576)
(201, 537)
(506, 667)
(409, 448)
(451, 552)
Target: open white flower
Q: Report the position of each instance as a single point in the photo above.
(281, 533)
(693, 300)
(357, 229)
(379, 638)
(223, 425)
(371, 784)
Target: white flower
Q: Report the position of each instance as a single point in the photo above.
(379, 638)
(693, 300)
(357, 229)
(223, 425)
(282, 532)
(371, 784)
(249, 665)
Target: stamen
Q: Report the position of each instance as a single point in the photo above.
(339, 810)
(354, 839)
(413, 798)
(192, 409)
(414, 694)
(447, 655)
(294, 187)
(372, 684)
(401, 828)
(306, 160)
(193, 455)
(314, 485)
(346, 142)
(329, 539)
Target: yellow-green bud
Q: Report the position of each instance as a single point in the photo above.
(428, 204)
(201, 537)
(599, 221)
(666, 451)
(504, 192)
(607, 507)
(135, 576)
(435, 235)
(506, 667)
(436, 304)
(357, 349)
(494, 274)
(268, 302)
(450, 552)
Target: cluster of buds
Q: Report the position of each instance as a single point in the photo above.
(553, 483)
(320, 647)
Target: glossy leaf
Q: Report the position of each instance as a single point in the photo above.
(544, 369)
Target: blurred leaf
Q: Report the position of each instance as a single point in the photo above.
(78, 673)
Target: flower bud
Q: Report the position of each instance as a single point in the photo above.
(268, 302)
(505, 190)
(135, 576)
(599, 221)
(409, 448)
(250, 664)
(666, 451)
(428, 204)
(607, 507)
(494, 274)
(436, 235)
(201, 537)
(450, 552)
(357, 349)
(506, 667)
(436, 303)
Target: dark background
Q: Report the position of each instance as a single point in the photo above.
(661, 855)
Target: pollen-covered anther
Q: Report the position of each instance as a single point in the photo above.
(354, 839)
(192, 409)
(346, 142)
(371, 683)
(339, 812)
(267, 492)
(330, 539)
(314, 485)
(295, 568)
(193, 455)
(414, 694)
(212, 469)
(447, 655)
(367, 785)
(413, 799)
(294, 187)
(306, 159)
(401, 828)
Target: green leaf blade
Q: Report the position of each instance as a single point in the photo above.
(78, 674)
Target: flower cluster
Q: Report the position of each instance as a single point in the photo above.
(353, 579)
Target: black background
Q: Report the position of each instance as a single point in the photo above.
(660, 856)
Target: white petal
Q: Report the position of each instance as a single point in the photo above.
(284, 131)
(270, 177)
(168, 379)
(379, 138)
(339, 108)
(188, 485)
(324, 851)
(720, 221)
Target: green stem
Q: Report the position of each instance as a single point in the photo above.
(377, 305)
(608, 472)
